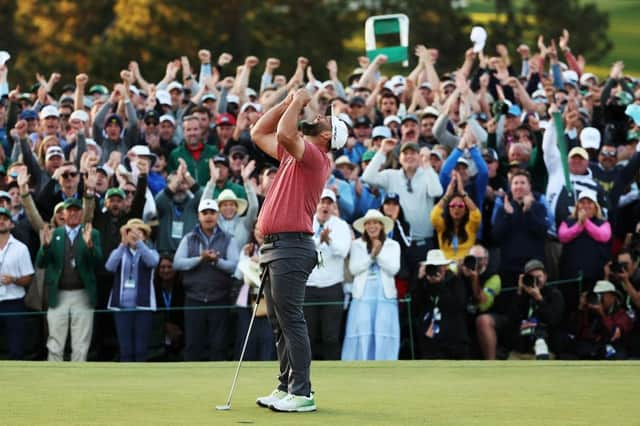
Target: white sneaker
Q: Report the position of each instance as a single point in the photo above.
(541, 349)
(295, 403)
(266, 401)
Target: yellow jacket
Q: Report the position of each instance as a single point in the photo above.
(472, 226)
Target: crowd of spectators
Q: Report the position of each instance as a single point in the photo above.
(495, 208)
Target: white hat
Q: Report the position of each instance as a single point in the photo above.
(163, 97)
(143, 151)
(327, 83)
(229, 195)
(167, 117)
(328, 193)
(570, 76)
(381, 132)
(479, 37)
(5, 194)
(174, 85)
(463, 160)
(339, 132)
(54, 151)
(373, 214)
(430, 111)
(590, 138)
(589, 194)
(94, 144)
(4, 57)
(134, 90)
(344, 160)
(392, 119)
(233, 99)
(79, 114)
(584, 78)
(49, 111)
(207, 204)
(250, 92)
(604, 286)
(208, 96)
(437, 258)
(253, 105)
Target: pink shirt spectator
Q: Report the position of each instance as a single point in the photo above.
(601, 233)
(294, 194)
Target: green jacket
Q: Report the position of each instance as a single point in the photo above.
(198, 169)
(51, 258)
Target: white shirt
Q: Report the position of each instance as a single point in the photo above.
(333, 254)
(16, 262)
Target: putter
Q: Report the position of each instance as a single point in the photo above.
(227, 406)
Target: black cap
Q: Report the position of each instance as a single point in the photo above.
(357, 100)
(238, 149)
(151, 115)
(362, 121)
(391, 197)
(221, 159)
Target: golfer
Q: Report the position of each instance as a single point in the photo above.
(288, 252)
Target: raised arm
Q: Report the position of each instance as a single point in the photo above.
(287, 130)
(263, 133)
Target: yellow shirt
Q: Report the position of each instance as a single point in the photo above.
(472, 226)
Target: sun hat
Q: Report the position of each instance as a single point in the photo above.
(373, 214)
(229, 195)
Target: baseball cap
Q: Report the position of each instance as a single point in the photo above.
(72, 203)
(225, 119)
(391, 197)
(233, 99)
(49, 111)
(115, 192)
(174, 85)
(409, 145)
(238, 149)
(98, 88)
(578, 150)
(163, 97)
(381, 132)
(66, 100)
(169, 118)
(462, 161)
(5, 194)
(409, 117)
(114, 119)
(209, 96)
(79, 114)
(430, 111)
(533, 265)
(604, 286)
(514, 110)
(221, 159)
(28, 114)
(368, 155)
(256, 106)
(490, 153)
(391, 119)
(425, 85)
(589, 195)
(208, 204)
(6, 213)
(357, 100)
(327, 193)
(362, 121)
(150, 116)
(54, 151)
(590, 138)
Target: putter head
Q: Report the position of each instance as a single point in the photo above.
(225, 407)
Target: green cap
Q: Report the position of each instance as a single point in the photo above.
(117, 192)
(98, 88)
(409, 145)
(368, 155)
(72, 203)
(6, 212)
(633, 135)
(625, 97)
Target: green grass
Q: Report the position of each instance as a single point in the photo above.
(375, 393)
(624, 32)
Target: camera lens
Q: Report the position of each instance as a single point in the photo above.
(528, 280)
(470, 262)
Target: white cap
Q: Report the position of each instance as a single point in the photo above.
(163, 97)
(233, 99)
(250, 92)
(208, 204)
(208, 96)
(134, 90)
(54, 151)
(253, 105)
(570, 76)
(430, 111)
(174, 85)
(339, 132)
(589, 194)
(584, 78)
(4, 57)
(169, 118)
(79, 114)
(392, 119)
(479, 37)
(381, 132)
(590, 138)
(49, 111)
(328, 193)
(604, 286)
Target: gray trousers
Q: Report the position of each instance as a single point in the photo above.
(289, 262)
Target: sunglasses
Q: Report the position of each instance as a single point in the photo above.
(456, 205)
(237, 157)
(609, 153)
(65, 115)
(68, 175)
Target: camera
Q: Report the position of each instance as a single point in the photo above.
(593, 298)
(431, 270)
(470, 262)
(529, 280)
(616, 267)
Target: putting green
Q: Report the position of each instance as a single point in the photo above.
(384, 393)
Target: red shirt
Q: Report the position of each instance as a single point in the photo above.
(295, 192)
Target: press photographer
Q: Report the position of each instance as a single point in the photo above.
(538, 310)
(443, 332)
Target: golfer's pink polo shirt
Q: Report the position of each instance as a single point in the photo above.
(295, 192)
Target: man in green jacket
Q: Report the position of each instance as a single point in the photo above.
(70, 254)
(193, 151)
